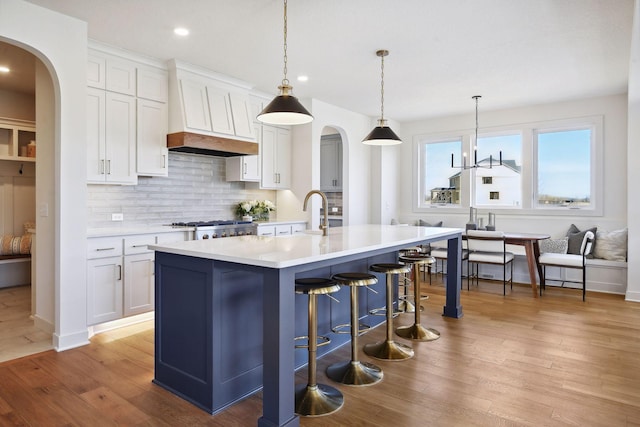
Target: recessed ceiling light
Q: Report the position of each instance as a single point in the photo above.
(181, 31)
(303, 78)
(4, 69)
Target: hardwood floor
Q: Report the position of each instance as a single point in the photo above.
(510, 361)
(18, 336)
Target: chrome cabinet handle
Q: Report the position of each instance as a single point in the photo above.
(119, 272)
(164, 161)
(108, 167)
(139, 246)
(104, 249)
(102, 167)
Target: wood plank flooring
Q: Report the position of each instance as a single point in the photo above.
(510, 361)
(18, 336)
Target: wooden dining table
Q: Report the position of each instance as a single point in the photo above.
(532, 251)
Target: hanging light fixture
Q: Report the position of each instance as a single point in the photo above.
(285, 109)
(382, 134)
(475, 163)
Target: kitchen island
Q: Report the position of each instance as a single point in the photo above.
(226, 308)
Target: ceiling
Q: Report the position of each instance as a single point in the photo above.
(512, 52)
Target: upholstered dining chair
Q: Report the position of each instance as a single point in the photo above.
(488, 247)
(575, 261)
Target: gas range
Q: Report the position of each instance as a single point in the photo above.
(219, 228)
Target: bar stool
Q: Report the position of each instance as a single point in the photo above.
(417, 332)
(388, 349)
(313, 399)
(354, 372)
(405, 305)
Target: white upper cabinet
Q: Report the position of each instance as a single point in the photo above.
(151, 147)
(275, 150)
(127, 119)
(331, 163)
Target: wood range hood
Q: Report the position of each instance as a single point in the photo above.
(187, 142)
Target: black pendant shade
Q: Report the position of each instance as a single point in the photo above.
(285, 110)
(382, 135)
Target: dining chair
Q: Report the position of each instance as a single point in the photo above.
(488, 247)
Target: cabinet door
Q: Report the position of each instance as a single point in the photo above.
(120, 139)
(220, 110)
(104, 289)
(96, 68)
(96, 157)
(275, 150)
(283, 158)
(242, 120)
(121, 77)
(151, 138)
(139, 283)
(328, 164)
(152, 84)
(196, 107)
(268, 153)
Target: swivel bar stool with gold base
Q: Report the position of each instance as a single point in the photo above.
(354, 372)
(389, 349)
(315, 399)
(417, 332)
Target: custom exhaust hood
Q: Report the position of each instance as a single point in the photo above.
(209, 113)
(188, 142)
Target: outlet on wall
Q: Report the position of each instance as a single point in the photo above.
(117, 217)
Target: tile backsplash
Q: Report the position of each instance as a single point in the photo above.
(195, 190)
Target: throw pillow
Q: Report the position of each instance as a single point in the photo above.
(423, 223)
(611, 245)
(576, 237)
(557, 246)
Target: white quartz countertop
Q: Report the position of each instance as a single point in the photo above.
(303, 248)
(125, 231)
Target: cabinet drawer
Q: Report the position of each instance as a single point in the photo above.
(298, 228)
(266, 230)
(138, 244)
(104, 247)
(283, 230)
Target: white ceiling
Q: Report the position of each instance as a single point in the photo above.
(513, 52)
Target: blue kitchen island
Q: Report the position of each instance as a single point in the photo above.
(227, 314)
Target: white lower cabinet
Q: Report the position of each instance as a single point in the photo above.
(281, 229)
(104, 289)
(139, 285)
(121, 275)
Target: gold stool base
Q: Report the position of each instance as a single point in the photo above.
(417, 333)
(318, 400)
(389, 350)
(354, 373)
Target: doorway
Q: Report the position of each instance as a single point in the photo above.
(19, 334)
(331, 174)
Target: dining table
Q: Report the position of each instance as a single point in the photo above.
(532, 252)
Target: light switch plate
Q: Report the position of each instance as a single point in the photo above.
(117, 217)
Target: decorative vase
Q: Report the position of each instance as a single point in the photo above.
(473, 219)
(247, 218)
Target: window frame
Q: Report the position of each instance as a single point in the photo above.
(529, 132)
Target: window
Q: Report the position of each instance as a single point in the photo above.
(564, 168)
(505, 178)
(439, 182)
(548, 168)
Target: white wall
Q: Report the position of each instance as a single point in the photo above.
(17, 105)
(633, 154)
(60, 42)
(614, 110)
(306, 164)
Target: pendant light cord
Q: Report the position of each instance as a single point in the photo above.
(285, 81)
(382, 87)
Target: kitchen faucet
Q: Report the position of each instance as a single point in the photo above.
(325, 208)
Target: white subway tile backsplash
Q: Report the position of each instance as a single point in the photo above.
(194, 190)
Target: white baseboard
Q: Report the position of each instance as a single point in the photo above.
(69, 341)
(43, 324)
(632, 296)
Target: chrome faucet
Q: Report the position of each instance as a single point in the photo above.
(325, 208)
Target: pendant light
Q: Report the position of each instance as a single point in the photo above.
(382, 134)
(285, 109)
